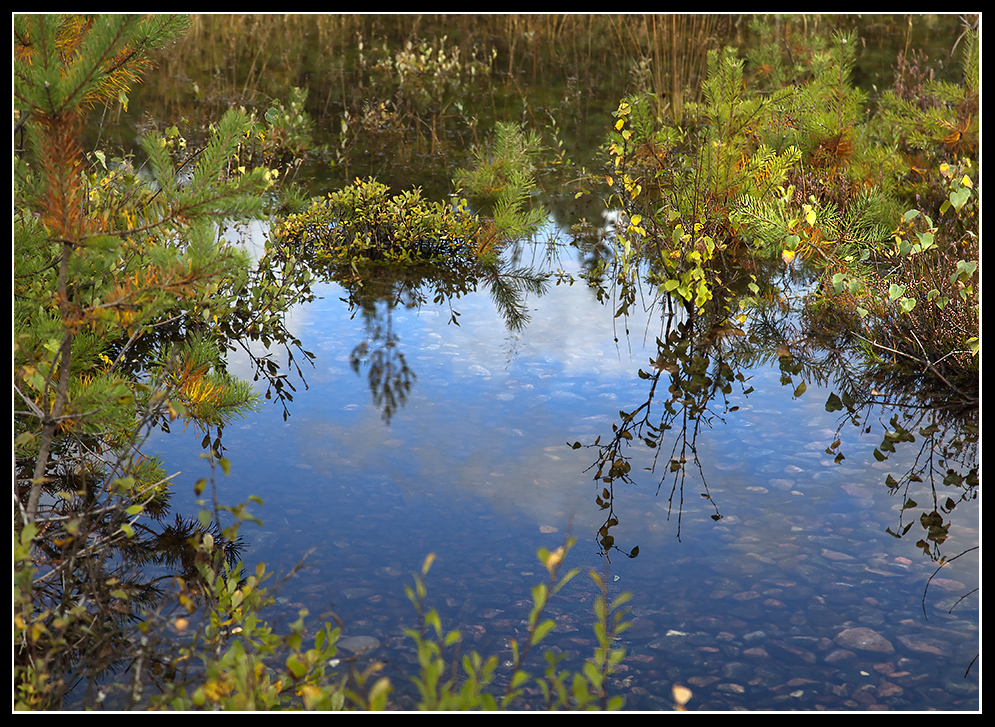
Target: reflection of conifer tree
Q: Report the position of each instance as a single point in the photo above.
(509, 290)
(384, 288)
(388, 373)
(110, 582)
(173, 547)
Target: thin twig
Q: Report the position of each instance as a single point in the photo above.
(942, 565)
(925, 362)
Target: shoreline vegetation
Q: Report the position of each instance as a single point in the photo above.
(737, 152)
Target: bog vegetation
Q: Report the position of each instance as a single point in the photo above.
(780, 158)
(128, 296)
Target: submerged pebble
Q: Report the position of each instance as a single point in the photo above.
(358, 644)
(864, 638)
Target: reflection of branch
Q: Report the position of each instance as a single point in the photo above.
(389, 377)
(605, 539)
(268, 369)
(974, 590)
(937, 457)
(692, 387)
(924, 361)
(829, 356)
(942, 565)
(679, 467)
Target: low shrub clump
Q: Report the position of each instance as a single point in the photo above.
(364, 222)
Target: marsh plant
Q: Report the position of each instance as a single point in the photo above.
(782, 158)
(118, 286)
(501, 184)
(560, 689)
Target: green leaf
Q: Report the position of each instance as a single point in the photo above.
(959, 198)
(543, 630)
(297, 669)
(965, 268)
(620, 600)
(907, 304)
(925, 241)
(125, 483)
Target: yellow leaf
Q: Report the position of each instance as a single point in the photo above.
(682, 695)
(554, 559)
(312, 696)
(788, 256)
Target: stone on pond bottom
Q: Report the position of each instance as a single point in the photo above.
(865, 639)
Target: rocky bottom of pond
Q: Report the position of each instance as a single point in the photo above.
(727, 664)
(819, 614)
(773, 644)
(771, 668)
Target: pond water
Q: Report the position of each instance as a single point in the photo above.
(415, 435)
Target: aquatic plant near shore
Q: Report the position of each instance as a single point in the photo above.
(364, 222)
(500, 183)
(121, 288)
(803, 170)
(585, 689)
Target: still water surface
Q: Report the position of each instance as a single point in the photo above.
(474, 463)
